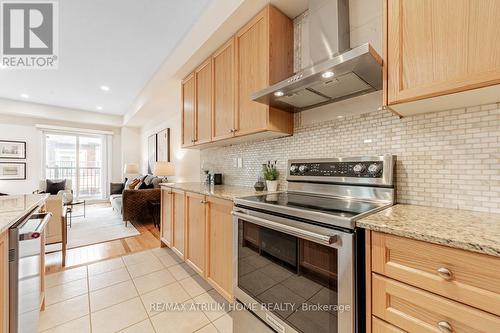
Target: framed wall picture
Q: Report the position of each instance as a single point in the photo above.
(152, 152)
(12, 171)
(164, 145)
(12, 149)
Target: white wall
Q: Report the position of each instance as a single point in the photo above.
(187, 161)
(23, 129)
(130, 148)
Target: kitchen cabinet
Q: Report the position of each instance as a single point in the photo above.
(422, 287)
(203, 109)
(258, 55)
(441, 54)
(264, 56)
(220, 245)
(166, 224)
(4, 281)
(178, 222)
(223, 102)
(196, 231)
(188, 95)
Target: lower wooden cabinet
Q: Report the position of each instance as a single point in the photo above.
(196, 231)
(201, 231)
(178, 223)
(166, 217)
(416, 286)
(220, 246)
(4, 281)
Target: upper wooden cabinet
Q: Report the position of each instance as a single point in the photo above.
(264, 56)
(223, 99)
(259, 55)
(203, 110)
(188, 96)
(439, 49)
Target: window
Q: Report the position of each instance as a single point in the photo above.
(79, 157)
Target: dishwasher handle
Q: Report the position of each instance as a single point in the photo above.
(45, 217)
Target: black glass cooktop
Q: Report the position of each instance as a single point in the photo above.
(341, 207)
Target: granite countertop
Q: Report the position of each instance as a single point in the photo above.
(467, 230)
(228, 192)
(13, 207)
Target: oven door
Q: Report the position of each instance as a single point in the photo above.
(296, 276)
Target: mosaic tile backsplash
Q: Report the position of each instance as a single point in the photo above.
(445, 159)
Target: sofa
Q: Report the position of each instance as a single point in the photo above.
(132, 204)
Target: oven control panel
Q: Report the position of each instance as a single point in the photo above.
(363, 169)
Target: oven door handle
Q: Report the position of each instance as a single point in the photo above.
(309, 235)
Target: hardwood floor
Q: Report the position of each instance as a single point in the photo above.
(148, 239)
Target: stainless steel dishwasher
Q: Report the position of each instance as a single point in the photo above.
(25, 254)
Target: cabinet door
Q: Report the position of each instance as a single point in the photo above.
(166, 216)
(188, 111)
(203, 102)
(441, 47)
(178, 213)
(220, 246)
(196, 231)
(252, 74)
(223, 107)
(4, 281)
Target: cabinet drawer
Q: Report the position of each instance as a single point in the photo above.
(467, 277)
(380, 326)
(415, 310)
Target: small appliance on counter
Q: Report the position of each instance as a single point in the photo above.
(216, 179)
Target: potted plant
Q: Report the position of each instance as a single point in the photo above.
(271, 175)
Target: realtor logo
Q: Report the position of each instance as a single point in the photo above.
(29, 37)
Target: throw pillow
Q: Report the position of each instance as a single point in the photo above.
(149, 179)
(144, 186)
(156, 182)
(133, 184)
(55, 186)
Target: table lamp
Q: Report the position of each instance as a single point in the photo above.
(164, 169)
(131, 169)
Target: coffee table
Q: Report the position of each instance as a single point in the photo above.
(69, 211)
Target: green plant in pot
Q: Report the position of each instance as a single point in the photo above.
(271, 175)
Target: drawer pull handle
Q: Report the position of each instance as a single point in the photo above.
(445, 273)
(445, 327)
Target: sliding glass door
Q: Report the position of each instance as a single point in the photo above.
(79, 157)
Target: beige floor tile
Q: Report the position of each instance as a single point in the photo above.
(240, 322)
(80, 325)
(144, 326)
(138, 257)
(153, 281)
(195, 285)
(186, 321)
(63, 312)
(173, 293)
(145, 267)
(108, 279)
(214, 305)
(66, 276)
(65, 291)
(118, 317)
(170, 260)
(181, 271)
(210, 328)
(162, 251)
(112, 295)
(105, 266)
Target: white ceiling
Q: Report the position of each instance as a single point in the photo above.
(117, 43)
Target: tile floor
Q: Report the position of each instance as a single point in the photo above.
(119, 295)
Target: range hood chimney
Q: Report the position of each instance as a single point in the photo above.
(334, 72)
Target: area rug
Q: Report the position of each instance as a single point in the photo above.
(100, 224)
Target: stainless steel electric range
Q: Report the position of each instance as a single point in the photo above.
(300, 258)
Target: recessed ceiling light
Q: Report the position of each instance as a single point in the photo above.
(25, 96)
(327, 75)
(99, 107)
(104, 88)
(279, 93)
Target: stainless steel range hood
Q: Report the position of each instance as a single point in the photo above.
(337, 72)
